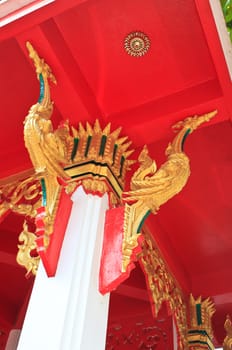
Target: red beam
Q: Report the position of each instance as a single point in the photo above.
(216, 284)
(153, 121)
(22, 312)
(66, 94)
(132, 292)
(8, 259)
(214, 43)
(7, 313)
(37, 17)
(70, 66)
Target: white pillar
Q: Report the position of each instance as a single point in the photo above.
(67, 312)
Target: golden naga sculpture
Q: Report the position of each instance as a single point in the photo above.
(64, 154)
(227, 343)
(152, 187)
(94, 157)
(46, 148)
(48, 151)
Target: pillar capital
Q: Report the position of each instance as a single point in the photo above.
(98, 159)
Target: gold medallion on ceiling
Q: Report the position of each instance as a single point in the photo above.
(136, 44)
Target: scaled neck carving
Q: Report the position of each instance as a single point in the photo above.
(47, 149)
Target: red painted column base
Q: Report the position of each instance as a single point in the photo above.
(111, 274)
(50, 255)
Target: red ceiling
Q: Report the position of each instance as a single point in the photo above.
(183, 73)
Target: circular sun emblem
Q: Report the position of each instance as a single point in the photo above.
(136, 44)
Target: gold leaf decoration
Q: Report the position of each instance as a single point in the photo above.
(163, 288)
(24, 255)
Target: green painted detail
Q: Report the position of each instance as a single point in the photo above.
(103, 145)
(41, 93)
(227, 12)
(44, 193)
(201, 342)
(201, 333)
(184, 138)
(121, 165)
(142, 221)
(114, 153)
(75, 146)
(198, 310)
(87, 145)
(198, 331)
(105, 165)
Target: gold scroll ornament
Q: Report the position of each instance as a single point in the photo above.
(27, 246)
(163, 288)
(23, 196)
